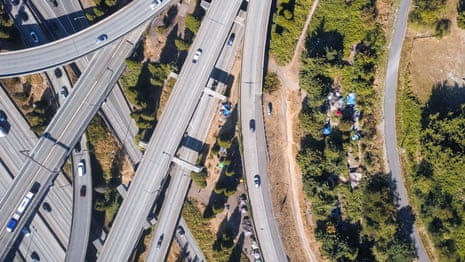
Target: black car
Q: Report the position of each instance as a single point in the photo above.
(181, 231)
(231, 39)
(46, 206)
(160, 240)
(58, 72)
(2, 116)
(252, 125)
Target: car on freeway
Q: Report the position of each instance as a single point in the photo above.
(4, 126)
(101, 39)
(160, 240)
(181, 231)
(64, 92)
(34, 37)
(2, 116)
(231, 39)
(46, 206)
(82, 192)
(82, 168)
(77, 147)
(256, 180)
(58, 72)
(197, 55)
(252, 125)
(35, 257)
(25, 231)
(155, 4)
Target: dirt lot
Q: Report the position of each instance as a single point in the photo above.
(432, 60)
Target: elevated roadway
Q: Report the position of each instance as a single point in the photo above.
(60, 136)
(39, 58)
(197, 131)
(54, 224)
(136, 208)
(63, 20)
(254, 143)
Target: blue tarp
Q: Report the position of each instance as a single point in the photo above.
(350, 99)
(326, 129)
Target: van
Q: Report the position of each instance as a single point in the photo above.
(82, 168)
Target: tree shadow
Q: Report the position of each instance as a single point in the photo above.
(445, 98)
(235, 221)
(236, 252)
(171, 14)
(406, 220)
(328, 45)
(169, 53)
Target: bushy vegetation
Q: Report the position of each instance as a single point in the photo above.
(142, 84)
(344, 46)
(461, 14)
(434, 143)
(6, 25)
(106, 164)
(288, 21)
(429, 14)
(271, 82)
(222, 249)
(102, 9)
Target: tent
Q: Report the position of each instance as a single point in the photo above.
(350, 99)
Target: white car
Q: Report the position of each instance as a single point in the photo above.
(82, 168)
(155, 4)
(197, 55)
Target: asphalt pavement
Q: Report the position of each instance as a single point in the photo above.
(45, 55)
(392, 153)
(135, 209)
(253, 130)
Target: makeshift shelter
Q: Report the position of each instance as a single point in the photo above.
(350, 99)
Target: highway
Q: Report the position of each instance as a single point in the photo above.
(390, 118)
(82, 206)
(254, 144)
(135, 209)
(67, 17)
(46, 56)
(197, 131)
(19, 138)
(62, 134)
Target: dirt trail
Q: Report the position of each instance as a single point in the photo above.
(289, 76)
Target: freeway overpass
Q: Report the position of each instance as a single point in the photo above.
(135, 209)
(38, 58)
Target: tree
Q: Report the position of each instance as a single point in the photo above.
(192, 23)
(181, 44)
(271, 82)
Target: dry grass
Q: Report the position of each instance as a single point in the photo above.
(165, 94)
(432, 60)
(14, 85)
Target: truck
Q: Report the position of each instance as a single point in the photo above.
(13, 222)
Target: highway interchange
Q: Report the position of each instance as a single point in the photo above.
(40, 160)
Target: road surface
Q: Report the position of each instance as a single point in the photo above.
(390, 117)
